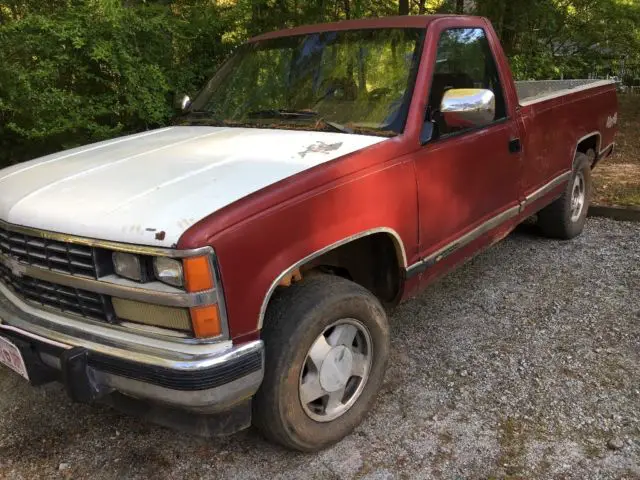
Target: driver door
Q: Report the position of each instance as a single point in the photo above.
(468, 177)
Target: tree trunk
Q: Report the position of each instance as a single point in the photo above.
(422, 7)
(403, 7)
(258, 9)
(460, 7)
(509, 32)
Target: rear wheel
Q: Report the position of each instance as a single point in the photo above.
(565, 218)
(327, 345)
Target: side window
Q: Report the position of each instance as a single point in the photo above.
(464, 60)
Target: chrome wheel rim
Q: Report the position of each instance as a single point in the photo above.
(335, 370)
(578, 197)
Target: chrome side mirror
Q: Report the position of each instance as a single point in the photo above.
(468, 107)
(182, 102)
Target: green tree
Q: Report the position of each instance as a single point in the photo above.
(77, 71)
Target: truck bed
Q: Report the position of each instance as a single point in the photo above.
(532, 91)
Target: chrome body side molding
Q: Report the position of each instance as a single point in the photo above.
(485, 227)
(461, 242)
(546, 188)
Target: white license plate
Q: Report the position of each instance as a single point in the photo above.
(11, 357)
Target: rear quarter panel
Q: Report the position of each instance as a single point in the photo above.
(554, 127)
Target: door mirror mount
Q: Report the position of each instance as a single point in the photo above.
(426, 134)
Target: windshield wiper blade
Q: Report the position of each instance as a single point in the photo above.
(281, 113)
(305, 114)
(337, 126)
(199, 120)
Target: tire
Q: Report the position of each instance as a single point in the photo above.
(294, 322)
(565, 218)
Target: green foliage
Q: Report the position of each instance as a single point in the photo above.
(90, 70)
(78, 71)
(566, 38)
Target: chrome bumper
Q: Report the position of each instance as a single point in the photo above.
(94, 360)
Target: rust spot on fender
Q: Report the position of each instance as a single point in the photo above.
(294, 276)
(320, 147)
(160, 235)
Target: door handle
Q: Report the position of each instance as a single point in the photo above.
(515, 145)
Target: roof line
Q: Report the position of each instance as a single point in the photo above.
(405, 21)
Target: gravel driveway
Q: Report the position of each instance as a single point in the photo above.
(524, 363)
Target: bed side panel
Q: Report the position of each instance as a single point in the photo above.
(555, 126)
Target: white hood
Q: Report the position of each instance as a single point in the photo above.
(133, 188)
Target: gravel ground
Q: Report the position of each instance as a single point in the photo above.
(524, 363)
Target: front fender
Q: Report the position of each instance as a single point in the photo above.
(256, 253)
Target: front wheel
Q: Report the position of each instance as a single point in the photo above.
(565, 218)
(327, 346)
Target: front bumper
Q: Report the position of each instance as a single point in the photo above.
(94, 361)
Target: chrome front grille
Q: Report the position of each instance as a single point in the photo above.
(54, 255)
(75, 275)
(65, 299)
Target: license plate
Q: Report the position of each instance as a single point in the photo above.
(11, 357)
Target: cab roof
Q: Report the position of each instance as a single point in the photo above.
(405, 21)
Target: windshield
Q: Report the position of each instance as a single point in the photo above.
(355, 81)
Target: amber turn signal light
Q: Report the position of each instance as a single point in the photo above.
(197, 274)
(206, 321)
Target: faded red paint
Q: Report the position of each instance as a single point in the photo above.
(359, 24)
(430, 195)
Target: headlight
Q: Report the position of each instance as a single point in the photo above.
(192, 275)
(143, 268)
(128, 265)
(169, 271)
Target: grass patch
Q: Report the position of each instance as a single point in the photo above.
(617, 179)
(512, 447)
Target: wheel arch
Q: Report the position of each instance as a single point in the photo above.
(381, 232)
(591, 141)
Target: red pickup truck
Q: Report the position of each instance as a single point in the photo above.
(238, 264)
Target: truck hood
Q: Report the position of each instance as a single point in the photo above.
(150, 187)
